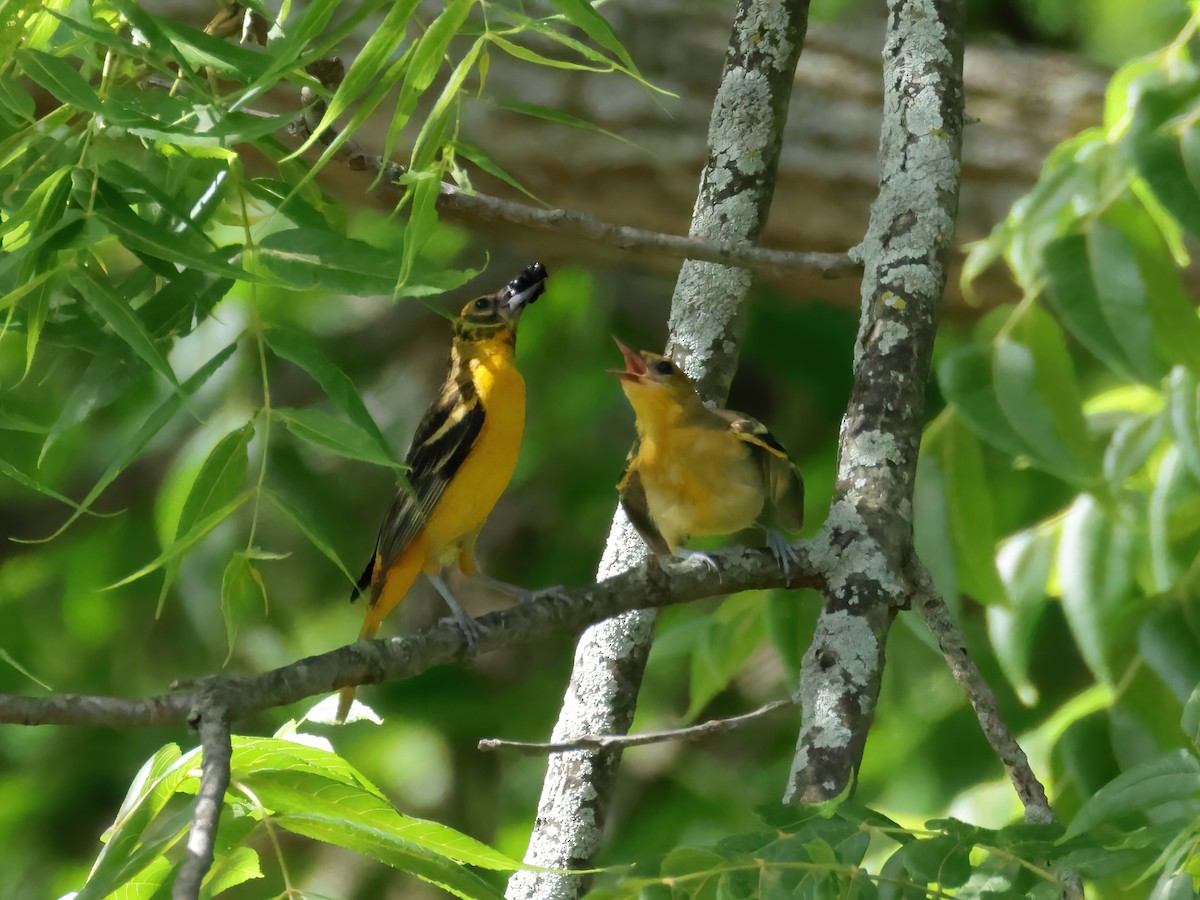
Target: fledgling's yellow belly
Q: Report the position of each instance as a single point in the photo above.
(706, 483)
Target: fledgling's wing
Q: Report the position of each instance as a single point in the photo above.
(784, 484)
(633, 499)
(441, 443)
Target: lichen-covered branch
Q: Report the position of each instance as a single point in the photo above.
(369, 662)
(707, 313)
(867, 538)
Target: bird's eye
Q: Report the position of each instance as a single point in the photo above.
(664, 367)
(481, 304)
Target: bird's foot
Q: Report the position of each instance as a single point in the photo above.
(471, 629)
(705, 559)
(785, 553)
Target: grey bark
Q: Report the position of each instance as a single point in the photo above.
(867, 539)
(745, 134)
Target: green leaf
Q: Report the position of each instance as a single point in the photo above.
(289, 792)
(1024, 562)
(154, 423)
(583, 16)
(480, 158)
(1095, 569)
(965, 378)
(431, 47)
(7, 657)
(969, 513)
(1190, 723)
(123, 320)
(308, 259)
(1172, 482)
(311, 528)
(297, 347)
(186, 541)
(730, 637)
(1176, 325)
(1130, 448)
(242, 590)
(1158, 157)
(1183, 405)
(219, 479)
(60, 79)
(230, 870)
(1172, 776)
(330, 433)
(297, 36)
(107, 376)
(125, 852)
(1094, 287)
(432, 135)
(422, 219)
(333, 829)
(1168, 645)
(526, 55)
(1036, 388)
(369, 63)
(142, 237)
(7, 468)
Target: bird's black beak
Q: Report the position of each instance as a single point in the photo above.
(524, 290)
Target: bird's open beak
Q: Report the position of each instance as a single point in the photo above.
(635, 364)
(524, 290)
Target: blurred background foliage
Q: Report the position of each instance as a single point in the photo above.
(233, 422)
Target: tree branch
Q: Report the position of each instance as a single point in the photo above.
(216, 756)
(707, 316)
(867, 537)
(932, 607)
(475, 207)
(370, 662)
(614, 741)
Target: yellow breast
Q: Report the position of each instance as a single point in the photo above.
(699, 481)
(486, 471)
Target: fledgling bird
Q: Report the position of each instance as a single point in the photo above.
(460, 460)
(697, 471)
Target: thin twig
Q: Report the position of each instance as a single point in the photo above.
(484, 208)
(932, 607)
(609, 741)
(216, 756)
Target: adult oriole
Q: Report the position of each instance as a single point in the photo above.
(460, 460)
(698, 471)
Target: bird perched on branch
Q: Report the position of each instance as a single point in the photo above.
(698, 471)
(460, 461)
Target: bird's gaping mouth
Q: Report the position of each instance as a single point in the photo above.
(524, 290)
(635, 363)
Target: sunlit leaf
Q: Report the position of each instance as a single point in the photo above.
(1024, 562)
(1095, 570)
(7, 657)
(1183, 404)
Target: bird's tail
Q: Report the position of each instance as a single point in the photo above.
(396, 583)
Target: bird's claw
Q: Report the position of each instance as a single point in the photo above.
(705, 559)
(554, 591)
(786, 555)
(471, 629)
